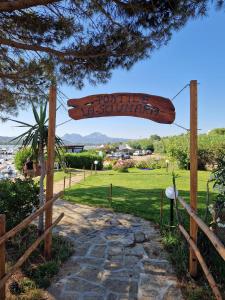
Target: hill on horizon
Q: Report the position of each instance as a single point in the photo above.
(94, 138)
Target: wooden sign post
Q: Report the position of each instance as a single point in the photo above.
(50, 168)
(155, 108)
(193, 171)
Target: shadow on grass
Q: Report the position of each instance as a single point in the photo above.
(144, 203)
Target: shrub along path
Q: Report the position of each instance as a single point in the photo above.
(116, 256)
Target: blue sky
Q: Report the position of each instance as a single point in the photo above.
(195, 52)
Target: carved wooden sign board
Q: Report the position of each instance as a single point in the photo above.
(155, 108)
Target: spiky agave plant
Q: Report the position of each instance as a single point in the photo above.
(36, 137)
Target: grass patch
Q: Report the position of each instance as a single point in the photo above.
(138, 192)
(36, 273)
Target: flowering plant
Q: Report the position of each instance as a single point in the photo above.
(123, 165)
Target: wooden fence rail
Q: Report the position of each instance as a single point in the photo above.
(205, 269)
(214, 240)
(29, 219)
(5, 236)
(212, 237)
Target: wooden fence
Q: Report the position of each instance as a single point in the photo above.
(4, 236)
(211, 236)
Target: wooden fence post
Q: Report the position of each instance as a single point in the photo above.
(161, 207)
(2, 256)
(110, 194)
(70, 179)
(50, 168)
(84, 172)
(64, 183)
(193, 171)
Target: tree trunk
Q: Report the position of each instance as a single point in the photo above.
(41, 190)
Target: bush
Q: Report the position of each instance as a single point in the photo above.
(84, 159)
(107, 165)
(17, 200)
(123, 165)
(210, 148)
(151, 163)
(21, 156)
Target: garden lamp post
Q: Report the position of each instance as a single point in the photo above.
(172, 195)
(95, 163)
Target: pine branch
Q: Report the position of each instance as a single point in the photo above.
(10, 6)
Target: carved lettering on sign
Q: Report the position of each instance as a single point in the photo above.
(155, 108)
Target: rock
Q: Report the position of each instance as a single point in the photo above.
(157, 266)
(112, 296)
(137, 250)
(98, 251)
(81, 286)
(91, 273)
(139, 237)
(130, 261)
(120, 286)
(115, 250)
(127, 240)
(92, 297)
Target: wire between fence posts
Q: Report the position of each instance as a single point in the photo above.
(205, 269)
(2, 256)
(28, 252)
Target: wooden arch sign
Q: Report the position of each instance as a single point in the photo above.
(155, 108)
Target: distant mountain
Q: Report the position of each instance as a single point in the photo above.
(95, 138)
(5, 140)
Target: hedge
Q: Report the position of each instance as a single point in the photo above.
(83, 160)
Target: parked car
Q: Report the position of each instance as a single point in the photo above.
(148, 152)
(138, 153)
(117, 155)
(126, 156)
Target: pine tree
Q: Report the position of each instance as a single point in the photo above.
(80, 40)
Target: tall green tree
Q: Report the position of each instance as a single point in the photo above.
(80, 40)
(36, 137)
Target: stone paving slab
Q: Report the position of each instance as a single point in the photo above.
(116, 257)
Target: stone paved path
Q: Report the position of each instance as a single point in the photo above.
(117, 257)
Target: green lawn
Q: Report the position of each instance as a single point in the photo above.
(137, 192)
(59, 175)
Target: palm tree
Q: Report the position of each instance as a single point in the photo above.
(37, 138)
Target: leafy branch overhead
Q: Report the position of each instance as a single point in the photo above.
(80, 40)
